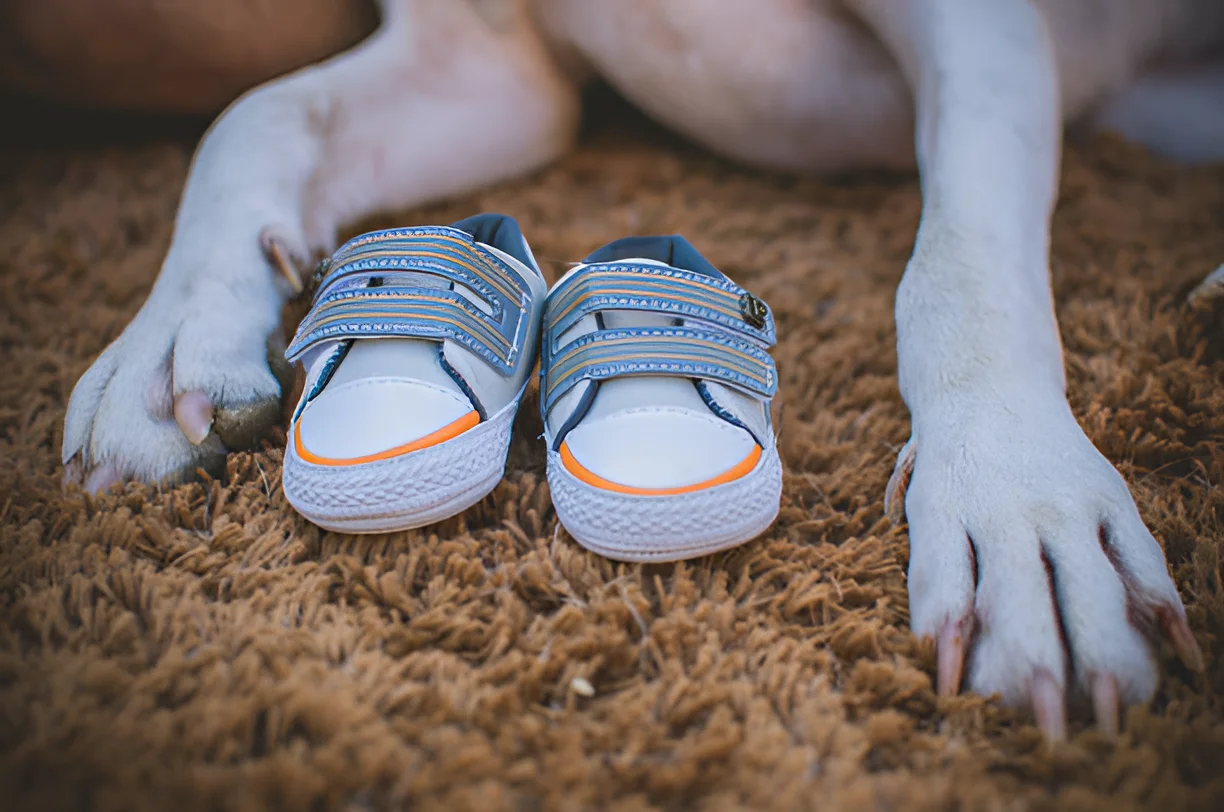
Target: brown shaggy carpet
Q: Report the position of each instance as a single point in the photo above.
(205, 648)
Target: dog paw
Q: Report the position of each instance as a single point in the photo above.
(1209, 290)
(184, 384)
(1030, 566)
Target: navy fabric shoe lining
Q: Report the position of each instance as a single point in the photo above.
(673, 250)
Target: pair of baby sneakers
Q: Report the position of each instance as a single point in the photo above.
(655, 387)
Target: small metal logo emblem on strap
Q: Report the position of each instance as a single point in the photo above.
(753, 310)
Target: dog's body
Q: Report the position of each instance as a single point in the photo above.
(1028, 555)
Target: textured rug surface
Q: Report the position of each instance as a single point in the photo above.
(205, 648)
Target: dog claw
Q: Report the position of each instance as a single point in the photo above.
(193, 411)
(276, 249)
(102, 478)
(73, 471)
(1105, 703)
(894, 494)
(950, 655)
(1209, 289)
(1048, 705)
(1178, 630)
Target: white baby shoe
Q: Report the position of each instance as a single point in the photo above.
(655, 389)
(417, 348)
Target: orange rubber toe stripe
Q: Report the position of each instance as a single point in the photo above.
(448, 432)
(741, 468)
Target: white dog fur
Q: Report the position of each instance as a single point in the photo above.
(1030, 564)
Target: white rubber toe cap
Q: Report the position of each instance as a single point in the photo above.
(658, 449)
(372, 416)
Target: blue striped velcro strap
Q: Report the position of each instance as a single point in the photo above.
(665, 290)
(721, 332)
(407, 303)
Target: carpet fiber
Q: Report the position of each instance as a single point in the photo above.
(205, 648)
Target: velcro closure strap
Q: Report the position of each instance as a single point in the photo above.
(407, 307)
(670, 291)
(675, 351)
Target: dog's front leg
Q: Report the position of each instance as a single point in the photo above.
(1029, 563)
(442, 99)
